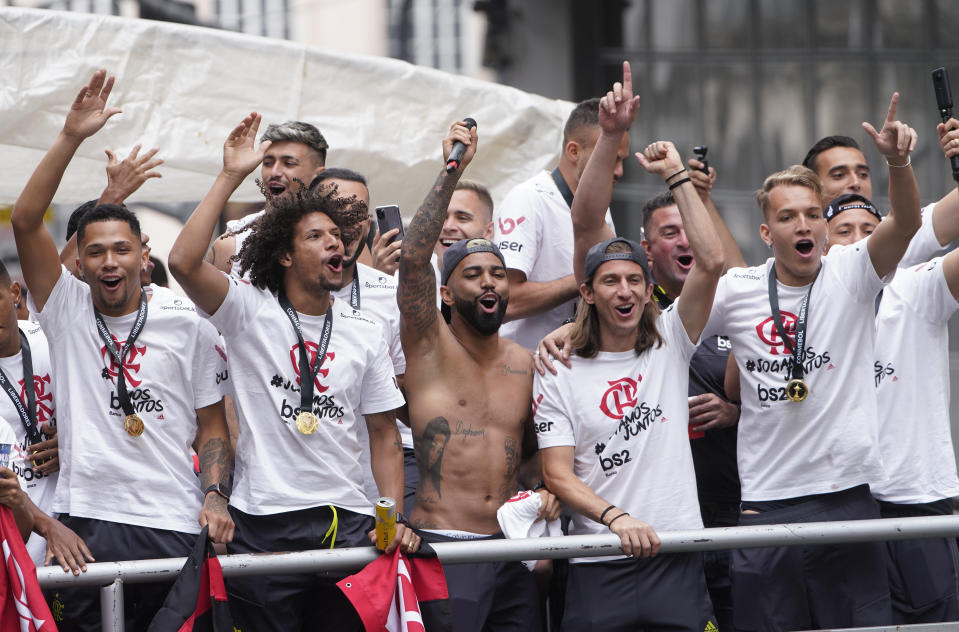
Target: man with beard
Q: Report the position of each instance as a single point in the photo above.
(469, 403)
(311, 373)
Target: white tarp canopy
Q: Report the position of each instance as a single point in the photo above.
(182, 89)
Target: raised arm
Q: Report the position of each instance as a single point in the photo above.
(617, 111)
(895, 141)
(704, 186)
(36, 248)
(203, 282)
(945, 215)
(416, 292)
(662, 159)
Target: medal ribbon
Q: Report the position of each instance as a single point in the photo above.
(28, 413)
(307, 375)
(355, 290)
(798, 350)
(119, 354)
(564, 189)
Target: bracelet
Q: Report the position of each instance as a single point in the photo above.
(569, 321)
(679, 182)
(676, 174)
(603, 515)
(625, 513)
(908, 162)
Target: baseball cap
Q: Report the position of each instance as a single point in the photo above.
(462, 249)
(597, 256)
(848, 201)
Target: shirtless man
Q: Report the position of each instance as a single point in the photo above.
(469, 394)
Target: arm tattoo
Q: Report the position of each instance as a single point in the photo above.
(214, 462)
(429, 448)
(416, 294)
(509, 486)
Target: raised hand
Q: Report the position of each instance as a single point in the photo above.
(949, 137)
(240, 154)
(125, 176)
(660, 158)
(895, 138)
(89, 111)
(459, 132)
(619, 108)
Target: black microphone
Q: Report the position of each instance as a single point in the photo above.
(940, 82)
(453, 162)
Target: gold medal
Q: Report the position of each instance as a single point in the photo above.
(133, 425)
(307, 423)
(797, 390)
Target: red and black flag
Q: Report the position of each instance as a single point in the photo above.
(197, 602)
(22, 607)
(395, 593)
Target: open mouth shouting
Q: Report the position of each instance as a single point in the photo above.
(489, 302)
(446, 242)
(626, 310)
(685, 262)
(805, 248)
(111, 282)
(275, 188)
(335, 263)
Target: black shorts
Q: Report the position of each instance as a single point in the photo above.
(923, 574)
(808, 587)
(78, 609)
(666, 592)
(305, 601)
(497, 596)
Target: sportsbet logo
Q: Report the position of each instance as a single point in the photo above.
(769, 335)
(620, 397)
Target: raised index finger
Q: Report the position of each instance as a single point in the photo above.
(893, 104)
(627, 81)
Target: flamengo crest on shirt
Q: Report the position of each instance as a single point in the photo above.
(141, 398)
(324, 404)
(768, 334)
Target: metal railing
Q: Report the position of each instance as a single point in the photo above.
(112, 575)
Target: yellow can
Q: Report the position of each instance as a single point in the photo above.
(385, 511)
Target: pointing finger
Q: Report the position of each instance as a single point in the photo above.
(893, 104)
(627, 80)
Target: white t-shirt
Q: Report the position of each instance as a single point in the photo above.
(378, 301)
(829, 441)
(241, 225)
(923, 244)
(173, 369)
(279, 469)
(912, 383)
(534, 231)
(627, 418)
(40, 487)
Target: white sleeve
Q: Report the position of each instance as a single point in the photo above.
(210, 378)
(926, 291)
(380, 392)
(924, 244)
(671, 328)
(516, 231)
(855, 271)
(716, 324)
(60, 311)
(238, 308)
(396, 350)
(551, 420)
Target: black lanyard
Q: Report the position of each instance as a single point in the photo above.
(307, 375)
(28, 414)
(799, 349)
(564, 189)
(355, 289)
(119, 354)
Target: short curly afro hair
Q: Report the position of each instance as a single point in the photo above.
(272, 234)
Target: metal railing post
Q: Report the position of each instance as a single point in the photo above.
(111, 607)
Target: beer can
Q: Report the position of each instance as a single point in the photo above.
(385, 511)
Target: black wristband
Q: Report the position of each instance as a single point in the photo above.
(625, 513)
(569, 321)
(605, 511)
(683, 170)
(679, 182)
